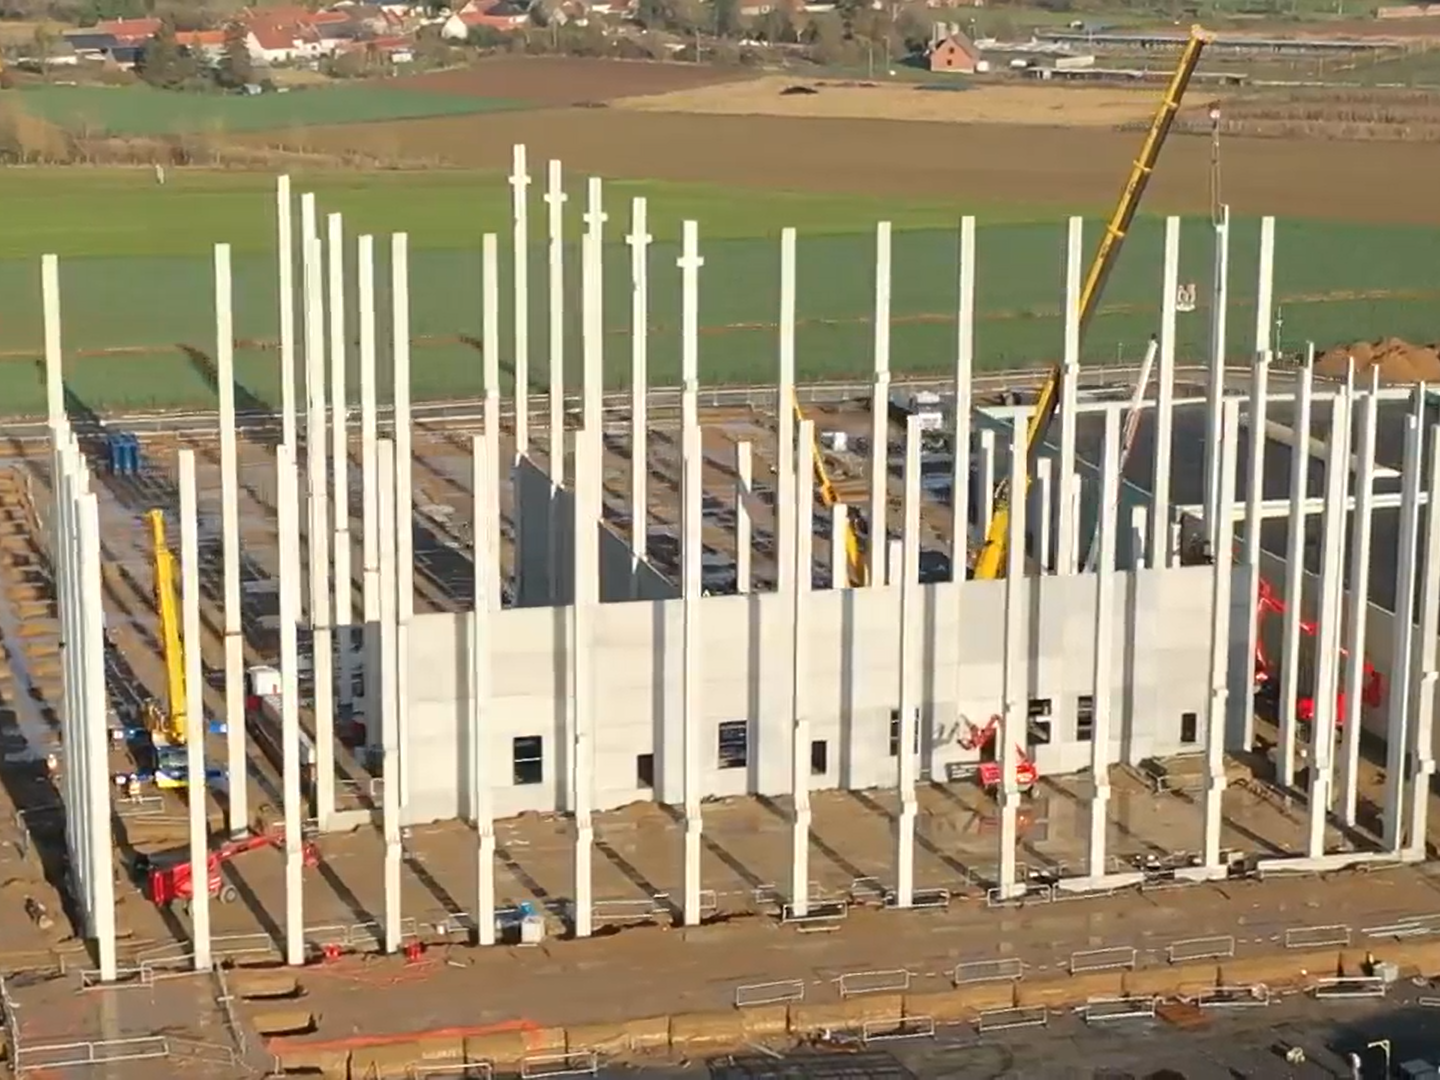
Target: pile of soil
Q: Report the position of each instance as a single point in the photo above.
(1397, 361)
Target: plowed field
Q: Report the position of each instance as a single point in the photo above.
(550, 80)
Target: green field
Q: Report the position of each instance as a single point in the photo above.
(143, 110)
(135, 277)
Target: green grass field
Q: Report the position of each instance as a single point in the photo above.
(142, 110)
(135, 276)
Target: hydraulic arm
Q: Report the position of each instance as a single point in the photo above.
(854, 559)
(990, 562)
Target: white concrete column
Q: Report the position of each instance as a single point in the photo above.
(691, 737)
(1254, 496)
(1423, 666)
(880, 409)
(287, 509)
(964, 367)
(839, 557)
(340, 494)
(389, 703)
(1359, 601)
(639, 241)
(317, 535)
(799, 702)
(490, 348)
(744, 486)
(285, 256)
(307, 234)
(785, 412)
(404, 503)
(196, 786)
(238, 799)
(1327, 636)
(1402, 651)
(369, 496)
(1215, 385)
(1218, 704)
(1294, 583)
(1160, 548)
(987, 479)
(909, 700)
(689, 263)
(520, 200)
(482, 778)
(1104, 564)
(593, 307)
(1044, 490)
(589, 455)
(1067, 546)
(1140, 538)
(1014, 709)
(54, 376)
(555, 198)
(96, 745)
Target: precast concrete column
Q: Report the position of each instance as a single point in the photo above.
(880, 410)
(1215, 384)
(589, 455)
(1295, 577)
(639, 241)
(307, 234)
(340, 498)
(555, 198)
(482, 780)
(287, 509)
(692, 674)
(238, 800)
(1013, 714)
(839, 558)
(593, 297)
(1160, 548)
(785, 405)
(744, 486)
(689, 263)
(908, 752)
(1327, 635)
(520, 210)
(490, 349)
(1139, 536)
(285, 256)
(1104, 565)
(389, 703)
(1254, 497)
(96, 747)
(197, 787)
(1359, 601)
(987, 478)
(404, 531)
(964, 367)
(369, 495)
(1221, 580)
(78, 834)
(1403, 646)
(1423, 666)
(317, 533)
(1066, 547)
(1044, 494)
(799, 703)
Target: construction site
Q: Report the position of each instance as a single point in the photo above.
(700, 719)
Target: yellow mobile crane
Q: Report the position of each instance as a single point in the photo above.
(854, 558)
(990, 562)
(167, 724)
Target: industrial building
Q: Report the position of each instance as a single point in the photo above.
(584, 676)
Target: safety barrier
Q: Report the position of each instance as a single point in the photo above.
(538, 1066)
(921, 899)
(854, 983)
(769, 993)
(1008, 1019)
(195, 1050)
(1428, 1002)
(1121, 956)
(1025, 893)
(1107, 1009)
(909, 1027)
(358, 937)
(474, 1070)
(618, 911)
(1350, 986)
(1408, 927)
(1233, 997)
(124, 977)
(1006, 969)
(1315, 937)
(93, 1052)
(1203, 948)
(826, 914)
(867, 890)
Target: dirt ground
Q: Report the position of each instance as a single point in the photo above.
(980, 164)
(775, 95)
(555, 80)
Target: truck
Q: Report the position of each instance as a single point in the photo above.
(926, 404)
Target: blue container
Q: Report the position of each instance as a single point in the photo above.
(131, 454)
(113, 452)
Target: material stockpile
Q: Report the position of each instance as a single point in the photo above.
(1397, 361)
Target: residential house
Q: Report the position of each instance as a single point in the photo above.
(204, 44)
(283, 35)
(118, 40)
(955, 53)
(396, 49)
(502, 15)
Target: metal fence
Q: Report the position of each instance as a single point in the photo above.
(1316, 937)
(855, 983)
(1120, 956)
(1006, 969)
(1205, 948)
(769, 993)
(1009, 1019)
(1106, 1009)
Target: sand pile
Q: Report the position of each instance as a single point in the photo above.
(1398, 361)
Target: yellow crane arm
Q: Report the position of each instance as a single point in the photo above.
(168, 609)
(990, 562)
(859, 575)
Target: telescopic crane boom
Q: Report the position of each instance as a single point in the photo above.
(854, 559)
(169, 723)
(990, 562)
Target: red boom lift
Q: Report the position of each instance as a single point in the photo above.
(169, 880)
(983, 738)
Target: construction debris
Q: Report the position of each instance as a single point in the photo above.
(1398, 361)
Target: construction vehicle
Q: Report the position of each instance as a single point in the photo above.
(989, 772)
(854, 556)
(990, 561)
(263, 722)
(167, 878)
(1267, 670)
(167, 722)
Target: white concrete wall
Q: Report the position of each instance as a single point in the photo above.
(1162, 624)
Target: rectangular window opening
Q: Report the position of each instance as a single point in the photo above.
(1085, 719)
(527, 753)
(734, 745)
(819, 758)
(895, 734)
(1189, 727)
(645, 770)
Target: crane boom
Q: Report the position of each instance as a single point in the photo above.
(173, 719)
(990, 562)
(854, 560)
